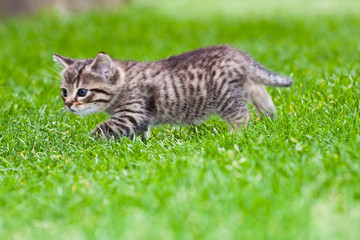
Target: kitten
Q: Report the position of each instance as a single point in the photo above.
(181, 89)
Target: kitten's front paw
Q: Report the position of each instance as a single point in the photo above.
(102, 131)
(97, 133)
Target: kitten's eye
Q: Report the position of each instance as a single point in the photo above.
(64, 92)
(82, 92)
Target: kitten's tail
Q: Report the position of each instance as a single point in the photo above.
(263, 76)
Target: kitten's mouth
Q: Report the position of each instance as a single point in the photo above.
(76, 112)
(81, 112)
(69, 109)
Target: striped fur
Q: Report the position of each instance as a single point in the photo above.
(181, 89)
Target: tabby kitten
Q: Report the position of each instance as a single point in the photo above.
(180, 89)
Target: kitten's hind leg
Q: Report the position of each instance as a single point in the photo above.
(236, 124)
(234, 109)
(146, 134)
(238, 119)
(261, 99)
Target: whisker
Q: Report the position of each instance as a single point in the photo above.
(54, 70)
(56, 81)
(51, 77)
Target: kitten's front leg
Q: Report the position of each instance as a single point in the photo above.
(121, 126)
(110, 130)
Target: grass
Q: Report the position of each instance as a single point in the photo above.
(296, 177)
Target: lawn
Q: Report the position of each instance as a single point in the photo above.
(294, 177)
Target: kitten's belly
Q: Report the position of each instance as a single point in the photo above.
(180, 116)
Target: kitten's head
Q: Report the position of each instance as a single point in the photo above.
(88, 86)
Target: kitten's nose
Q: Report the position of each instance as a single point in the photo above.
(69, 103)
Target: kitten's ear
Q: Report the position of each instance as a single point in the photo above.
(64, 61)
(103, 65)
